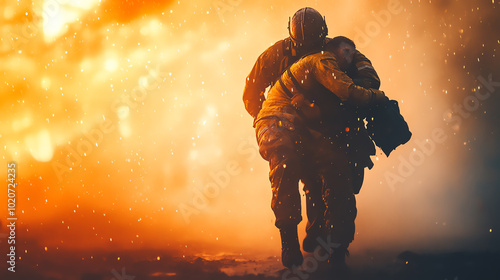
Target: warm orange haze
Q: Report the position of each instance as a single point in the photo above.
(127, 127)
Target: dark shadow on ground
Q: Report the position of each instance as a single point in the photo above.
(141, 265)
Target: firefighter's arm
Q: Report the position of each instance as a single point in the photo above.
(328, 73)
(253, 97)
(253, 94)
(365, 75)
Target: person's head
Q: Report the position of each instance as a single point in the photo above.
(344, 49)
(307, 29)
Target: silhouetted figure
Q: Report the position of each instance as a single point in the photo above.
(308, 32)
(315, 128)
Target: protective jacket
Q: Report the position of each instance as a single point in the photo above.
(362, 72)
(278, 57)
(267, 69)
(318, 77)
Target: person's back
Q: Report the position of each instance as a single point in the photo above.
(308, 30)
(333, 96)
(267, 69)
(308, 76)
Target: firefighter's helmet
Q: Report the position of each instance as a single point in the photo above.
(307, 28)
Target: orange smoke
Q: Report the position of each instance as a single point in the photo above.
(129, 130)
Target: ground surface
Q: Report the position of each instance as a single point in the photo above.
(128, 265)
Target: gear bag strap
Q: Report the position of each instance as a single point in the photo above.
(287, 91)
(294, 81)
(292, 77)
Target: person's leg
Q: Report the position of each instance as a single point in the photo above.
(277, 145)
(315, 209)
(340, 213)
(340, 204)
(284, 178)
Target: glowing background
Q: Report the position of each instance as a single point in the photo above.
(118, 112)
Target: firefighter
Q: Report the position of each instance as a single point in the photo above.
(311, 116)
(308, 30)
